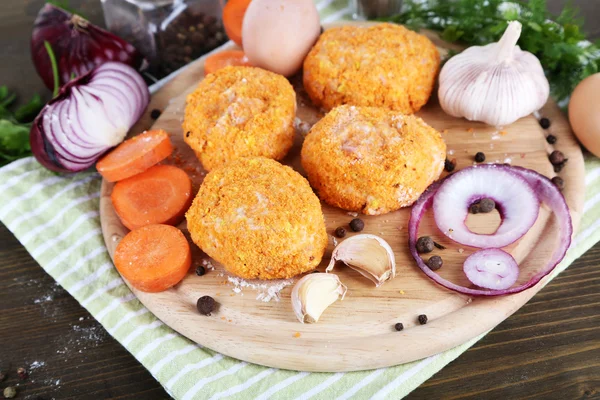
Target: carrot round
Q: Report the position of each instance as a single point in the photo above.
(233, 17)
(223, 59)
(135, 155)
(160, 195)
(153, 258)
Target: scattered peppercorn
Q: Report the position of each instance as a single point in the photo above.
(399, 326)
(558, 167)
(422, 319)
(10, 392)
(154, 114)
(486, 205)
(206, 305)
(357, 225)
(200, 270)
(480, 156)
(435, 263)
(425, 244)
(545, 123)
(551, 139)
(557, 157)
(559, 182)
(22, 373)
(439, 246)
(449, 165)
(474, 208)
(340, 232)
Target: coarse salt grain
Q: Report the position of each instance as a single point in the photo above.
(352, 214)
(267, 291)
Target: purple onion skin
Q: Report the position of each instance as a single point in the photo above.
(78, 45)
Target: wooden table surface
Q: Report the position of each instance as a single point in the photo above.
(550, 349)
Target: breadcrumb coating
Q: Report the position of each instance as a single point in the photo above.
(259, 219)
(371, 159)
(385, 65)
(240, 112)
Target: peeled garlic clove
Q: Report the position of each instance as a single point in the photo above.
(369, 255)
(314, 293)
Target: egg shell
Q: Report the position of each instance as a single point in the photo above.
(278, 34)
(584, 113)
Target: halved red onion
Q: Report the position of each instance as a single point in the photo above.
(491, 269)
(515, 199)
(546, 192)
(78, 46)
(90, 115)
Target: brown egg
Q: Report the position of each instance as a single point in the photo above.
(278, 34)
(584, 113)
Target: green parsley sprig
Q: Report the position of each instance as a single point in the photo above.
(15, 126)
(558, 41)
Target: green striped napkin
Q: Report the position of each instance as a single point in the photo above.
(56, 218)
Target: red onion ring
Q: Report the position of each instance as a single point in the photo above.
(491, 269)
(546, 192)
(515, 199)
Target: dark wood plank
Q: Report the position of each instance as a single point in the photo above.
(550, 349)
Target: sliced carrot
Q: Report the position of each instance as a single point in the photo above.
(224, 59)
(154, 257)
(233, 17)
(160, 195)
(135, 155)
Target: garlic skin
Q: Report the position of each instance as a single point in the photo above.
(496, 84)
(314, 293)
(367, 254)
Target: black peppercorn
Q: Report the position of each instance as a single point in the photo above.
(340, 232)
(551, 139)
(399, 326)
(206, 305)
(449, 165)
(22, 373)
(357, 225)
(559, 182)
(435, 263)
(154, 114)
(425, 244)
(480, 156)
(486, 205)
(557, 157)
(545, 123)
(558, 167)
(422, 319)
(200, 270)
(474, 208)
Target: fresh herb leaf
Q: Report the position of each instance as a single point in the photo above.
(558, 42)
(29, 111)
(64, 4)
(14, 141)
(48, 47)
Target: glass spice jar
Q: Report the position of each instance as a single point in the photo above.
(169, 33)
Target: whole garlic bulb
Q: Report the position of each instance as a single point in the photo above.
(496, 84)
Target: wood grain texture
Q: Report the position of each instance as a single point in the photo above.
(110, 372)
(357, 333)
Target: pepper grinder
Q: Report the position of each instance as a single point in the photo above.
(369, 9)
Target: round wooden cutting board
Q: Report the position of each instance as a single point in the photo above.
(357, 333)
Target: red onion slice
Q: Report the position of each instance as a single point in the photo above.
(515, 199)
(491, 269)
(546, 192)
(90, 115)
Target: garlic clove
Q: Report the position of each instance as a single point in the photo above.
(369, 255)
(314, 293)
